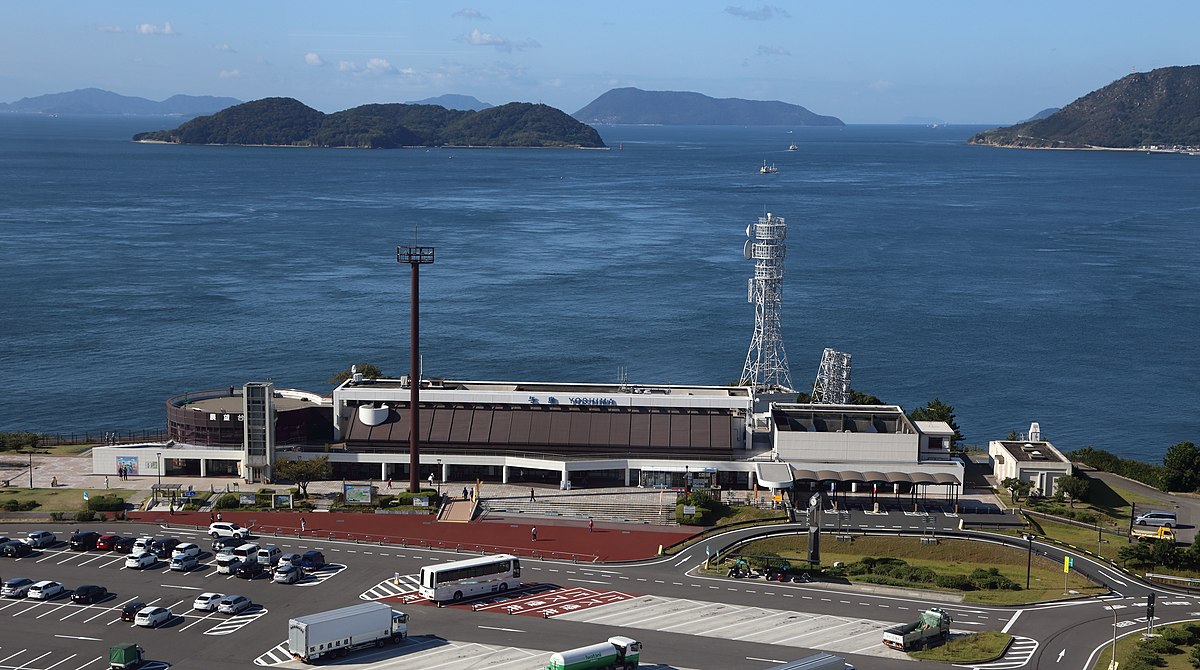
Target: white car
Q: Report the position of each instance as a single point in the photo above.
(45, 590)
(233, 604)
(40, 538)
(186, 549)
(142, 544)
(207, 602)
(226, 529)
(141, 560)
(152, 617)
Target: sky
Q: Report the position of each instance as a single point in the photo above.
(884, 61)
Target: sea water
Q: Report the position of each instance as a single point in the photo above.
(1017, 286)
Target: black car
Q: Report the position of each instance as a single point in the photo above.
(84, 541)
(312, 560)
(224, 542)
(130, 610)
(14, 549)
(124, 545)
(162, 547)
(89, 594)
(251, 570)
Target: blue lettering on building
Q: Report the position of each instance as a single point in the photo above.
(606, 402)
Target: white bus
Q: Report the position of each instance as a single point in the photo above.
(460, 579)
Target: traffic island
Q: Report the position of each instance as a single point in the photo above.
(968, 649)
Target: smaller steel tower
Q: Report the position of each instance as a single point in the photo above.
(766, 361)
(832, 385)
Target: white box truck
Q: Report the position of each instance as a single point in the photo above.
(342, 630)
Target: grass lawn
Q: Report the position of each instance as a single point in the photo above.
(1126, 644)
(745, 513)
(60, 499)
(970, 648)
(954, 557)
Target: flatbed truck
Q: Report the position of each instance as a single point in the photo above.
(934, 625)
(1153, 533)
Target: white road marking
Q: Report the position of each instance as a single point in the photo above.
(586, 581)
(78, 637)
(1011, 621)
(764, 660)
(506, 630)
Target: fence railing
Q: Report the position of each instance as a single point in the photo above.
(102, 437)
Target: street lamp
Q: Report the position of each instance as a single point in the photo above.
(158, 489)
(1029, 560)
(439, 477)
(31, 468)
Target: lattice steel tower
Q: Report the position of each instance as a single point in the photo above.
(832, 385)
(766, 361)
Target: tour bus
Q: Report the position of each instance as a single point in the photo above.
(460, 579)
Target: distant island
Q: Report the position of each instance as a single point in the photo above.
(466, 103)
(1160, 108)
(101, 102)
(679, 108)
(289, 122)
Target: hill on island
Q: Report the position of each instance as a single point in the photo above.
(453, 101)
(99, 101)
(682, 108)
(1145, 108)
(289, 122)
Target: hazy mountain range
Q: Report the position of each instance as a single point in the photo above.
(99, 101)
(684, 108)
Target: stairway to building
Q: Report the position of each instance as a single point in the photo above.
(646, 509)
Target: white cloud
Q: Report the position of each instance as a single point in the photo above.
(506, 45)
(224, 47)
(153, 29)
(229, 74)
(313, 59)
(468, 13)
(110, 29)
(347, 66)
(380, 66)
(764, 13)
(764, 50)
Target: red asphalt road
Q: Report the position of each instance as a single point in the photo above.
(556, 539)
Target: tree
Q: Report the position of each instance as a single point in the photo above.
(368, 370)
(304, 471)
(936, 410)
(1182, 464)
(860, 398)
(1016, 487)
(1074, 487)
(1012, 436)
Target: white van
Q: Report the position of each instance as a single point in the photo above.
(268, 556)
(1157, 518)
(227, 564)
(247, 552)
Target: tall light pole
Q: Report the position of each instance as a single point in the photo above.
(1029, 560)
(439, 477)
(415, 257)
(31, 468)
(158, 489)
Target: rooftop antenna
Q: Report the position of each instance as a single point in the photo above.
(766, 361)
(832, 385)
(622, 379)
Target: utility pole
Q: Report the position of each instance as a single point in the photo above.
(415, 257)
(1029, 560)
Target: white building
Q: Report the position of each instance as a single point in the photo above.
(1038, 463)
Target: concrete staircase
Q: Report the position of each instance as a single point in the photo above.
(598, 507)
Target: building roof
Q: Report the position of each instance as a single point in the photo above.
(934, 428)
(817, 418)
(556, 429)
(556, 387)
(1032, 451)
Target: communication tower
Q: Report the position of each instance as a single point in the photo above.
(766, 361)
(832, 385)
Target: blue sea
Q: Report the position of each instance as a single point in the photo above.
(1018, 286)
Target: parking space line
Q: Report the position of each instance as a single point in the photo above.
(211, 613)
(77, 611)
(26, 663)
(51, 611)
(62, 661)
(16, 654)
(98, 658)
(94, 558)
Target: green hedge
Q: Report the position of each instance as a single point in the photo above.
(14, 505)
(227, 501)
(106, 503)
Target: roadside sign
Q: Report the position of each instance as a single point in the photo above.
(689, 510)
(1068, 563)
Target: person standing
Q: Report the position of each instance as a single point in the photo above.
(389, 483)
(302, 525)
(466, 496)
(530, 495)
(533, 533)
(105, 481)
(591, 524)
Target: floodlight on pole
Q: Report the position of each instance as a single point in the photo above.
(415, 257)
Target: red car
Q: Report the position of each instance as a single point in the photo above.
(107, 542)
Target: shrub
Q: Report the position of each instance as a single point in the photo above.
(1159, 645)
(227, 501)
(14, 505)
(56, 516)
(955, 582)
(85, 515)
(106, 503)
(1179, 636)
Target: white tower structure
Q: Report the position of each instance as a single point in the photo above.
(832, 385)
(766, 361)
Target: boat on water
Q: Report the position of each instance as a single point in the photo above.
(793, 147)
(768, 169)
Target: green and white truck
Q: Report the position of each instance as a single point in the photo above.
(934, 625)
(619, 653)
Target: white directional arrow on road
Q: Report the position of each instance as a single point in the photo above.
(1060, 656)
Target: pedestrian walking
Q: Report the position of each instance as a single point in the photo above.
(591, 524)
(389, 483)
(302, 525)
(533, 533)
(105, 481)
(466, 496)
(530, 495)
(211, 517)
(53, 482)
(218, 516)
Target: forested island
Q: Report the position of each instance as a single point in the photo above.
(289, 122)
(1159, 109)
(673, 108)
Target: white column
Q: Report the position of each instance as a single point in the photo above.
(203, 467)
(566, 476)
(626, 475)
(503, 474)
(445, 471)
(383, 469)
